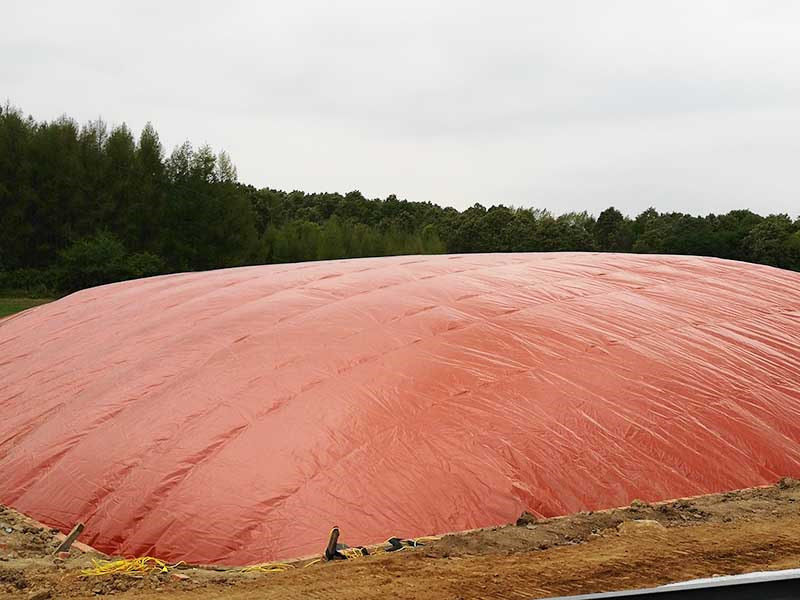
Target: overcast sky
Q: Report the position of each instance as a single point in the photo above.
(686, 105)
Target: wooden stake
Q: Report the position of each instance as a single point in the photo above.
(67, 543)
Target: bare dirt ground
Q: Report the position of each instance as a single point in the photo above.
(639, 546)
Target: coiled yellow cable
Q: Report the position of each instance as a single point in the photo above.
(143, 565)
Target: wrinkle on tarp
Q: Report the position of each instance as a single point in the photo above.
(233, 416)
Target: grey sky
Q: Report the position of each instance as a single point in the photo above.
(685, 105)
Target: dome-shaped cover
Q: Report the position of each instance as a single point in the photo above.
(234, 416)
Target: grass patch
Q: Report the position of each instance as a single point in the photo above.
(9, 306)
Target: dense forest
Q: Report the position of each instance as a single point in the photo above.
(86, 205)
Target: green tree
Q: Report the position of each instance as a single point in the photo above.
(101, 259)
(774, 241)
(613, 232)
(61, 184)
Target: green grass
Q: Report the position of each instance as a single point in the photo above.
(9, 306)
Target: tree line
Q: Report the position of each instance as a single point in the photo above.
(83, 205)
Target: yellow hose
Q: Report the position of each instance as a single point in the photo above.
(129, 566)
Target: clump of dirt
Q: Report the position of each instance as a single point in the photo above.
(639, 525)
(12, 580)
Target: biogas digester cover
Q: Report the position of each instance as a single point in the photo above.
(233, 416)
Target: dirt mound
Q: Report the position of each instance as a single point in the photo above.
(27, 539)
(540, 534)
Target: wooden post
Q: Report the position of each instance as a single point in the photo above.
(67, 543)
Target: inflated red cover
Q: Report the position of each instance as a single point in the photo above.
(234, 416)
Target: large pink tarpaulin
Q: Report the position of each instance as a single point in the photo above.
(234, 416)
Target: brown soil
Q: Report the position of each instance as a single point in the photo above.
(639, 546)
